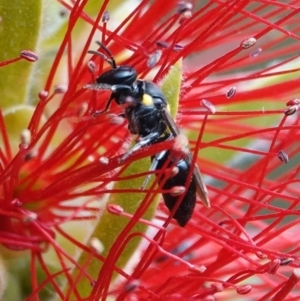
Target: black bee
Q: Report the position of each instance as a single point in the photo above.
(147, 113)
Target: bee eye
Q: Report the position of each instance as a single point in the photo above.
(123, 75)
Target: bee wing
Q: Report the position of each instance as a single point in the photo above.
(201, 188)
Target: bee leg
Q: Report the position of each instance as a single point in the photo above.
(143, 142)
(153, 167)
(97, 113)
(114, 89)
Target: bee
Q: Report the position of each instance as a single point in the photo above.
(147, 113)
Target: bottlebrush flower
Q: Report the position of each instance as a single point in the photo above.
(74, 216)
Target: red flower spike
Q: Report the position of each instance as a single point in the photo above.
(288, 286)
(82, 110)
(243, 290)
(43, 95)
(218, 287)
(274, 266)
(209, 298)
(64, 170)
(11, 61)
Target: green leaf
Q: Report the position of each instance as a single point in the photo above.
(16, 119)
(53, 29)
(93, 7)
(171, 87)
(3, 277)
(19, 30)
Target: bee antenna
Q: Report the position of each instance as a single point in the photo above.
(112, 59)
(112, 63)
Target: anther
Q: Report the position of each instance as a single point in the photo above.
(243, 290)
(104, 160)
(59, 89)
(43, 94)
(291, 110)
(177, 190)
(31, 216)
(218, 287)
(115, 209)
(197, 268)
(286, 261)
(273, 266)
(247, 43)
(256, 52)
(208, 105)
(29, 56)
(163, 44)
(177, 47)
(184, 6)
(131, 285)
(292, 102)
(30, 155)
(82, 109)
(154, 58)
(175, 171)
(25, 138)
(231, 92)
(16, 202)
(96, 245)
(261, 255)
(91, 66)
(283, 157)
(105, 17)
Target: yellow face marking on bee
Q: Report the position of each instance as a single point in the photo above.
(168, 108)
(147, 100)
